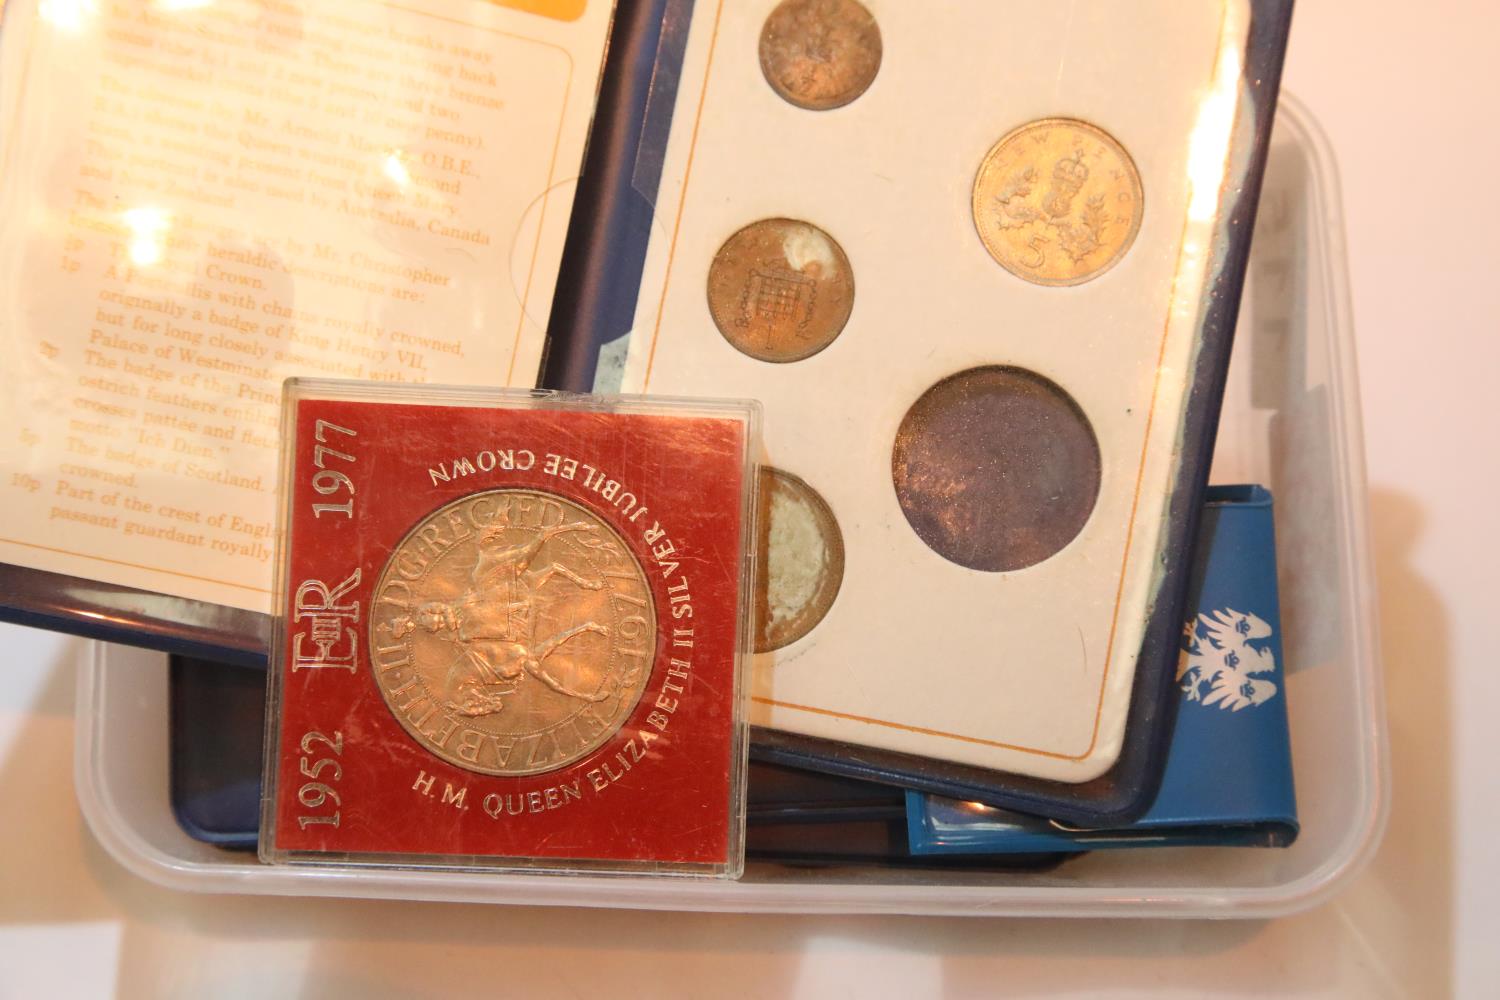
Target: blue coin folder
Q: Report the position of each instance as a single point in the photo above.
(1228, 778)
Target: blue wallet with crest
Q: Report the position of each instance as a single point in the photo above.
(1228, 777)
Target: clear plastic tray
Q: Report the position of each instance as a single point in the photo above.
(1291, 421)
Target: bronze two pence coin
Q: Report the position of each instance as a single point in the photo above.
(820, 54)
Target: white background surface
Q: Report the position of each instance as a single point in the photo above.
(1406, 92)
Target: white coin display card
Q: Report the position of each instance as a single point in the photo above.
(200, 199)
(963, 253)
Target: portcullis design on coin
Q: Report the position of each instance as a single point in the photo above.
(1057, 201)
(820, 54)
(780, 290)
(513, 632)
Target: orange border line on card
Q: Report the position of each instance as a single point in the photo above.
(1140, 475)
(562, 120)
(915, 729)
(541, 224)
(1135, 502)
(122, 562)
(1140, 469)
(687, 175)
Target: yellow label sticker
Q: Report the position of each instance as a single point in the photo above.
(559, 10)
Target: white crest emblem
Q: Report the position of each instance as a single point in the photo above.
(1219, 666)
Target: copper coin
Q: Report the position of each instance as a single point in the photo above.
(1057, 201)
(996, 468)
(780, 290)
(820, 54)
(512, 632)
(801, 555)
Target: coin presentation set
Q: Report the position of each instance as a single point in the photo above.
(894, 338)
(985, 293)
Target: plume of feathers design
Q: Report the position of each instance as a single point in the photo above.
(1220, 667)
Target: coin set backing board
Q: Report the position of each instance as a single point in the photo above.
(510, 631)
(980, 262)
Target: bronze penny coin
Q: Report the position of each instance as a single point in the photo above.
(996, 468)
(800, 551)
(820, 54)
(1057, 201)
(512, 632)
(780, 290)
